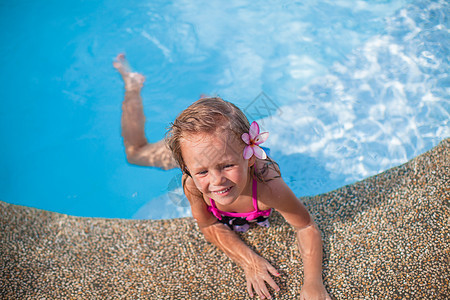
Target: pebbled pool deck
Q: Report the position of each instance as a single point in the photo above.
(386, 237)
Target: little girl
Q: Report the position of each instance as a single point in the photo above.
(228, 179)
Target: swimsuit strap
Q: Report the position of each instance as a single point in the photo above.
(254, 194)
(214, 210)
(213, 203)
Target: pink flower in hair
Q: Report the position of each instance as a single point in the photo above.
(253, 138)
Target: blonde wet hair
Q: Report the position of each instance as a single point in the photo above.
(207, 115)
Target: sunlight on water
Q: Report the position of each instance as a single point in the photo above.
(378, 108)
(350, 117)
(346, 88)
(273, 48)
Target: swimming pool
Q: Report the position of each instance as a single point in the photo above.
(347, 89)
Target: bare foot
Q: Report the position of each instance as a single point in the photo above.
(133, 80)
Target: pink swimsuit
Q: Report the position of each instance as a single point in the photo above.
(241, 221)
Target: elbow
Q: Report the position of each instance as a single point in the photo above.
(206, 227)
(309, 239)
(207, 233)
(131, 156)
(310, 229)
(210, 229)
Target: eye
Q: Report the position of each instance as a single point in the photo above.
(228, 166)
(202, 173)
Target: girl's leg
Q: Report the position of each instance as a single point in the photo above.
(137, 148)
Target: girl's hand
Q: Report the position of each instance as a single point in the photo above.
(257, 274)
(314, 290)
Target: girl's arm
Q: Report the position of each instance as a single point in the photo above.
(281, 197)
(310, 246)
(257, 269)
(137, 148)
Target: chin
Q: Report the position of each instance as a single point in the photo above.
(224, 200)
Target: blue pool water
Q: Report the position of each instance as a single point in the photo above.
(346, 88)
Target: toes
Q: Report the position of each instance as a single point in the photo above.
(120, 57)
(132, 80)
(121, 64)
(116, 64)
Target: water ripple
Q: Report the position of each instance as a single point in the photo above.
(386, 103)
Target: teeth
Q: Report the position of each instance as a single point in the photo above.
(224, 191)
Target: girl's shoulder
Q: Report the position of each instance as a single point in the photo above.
(268, 175)
(276, 194)
(190, 190)
(266, 170)
(196, 200)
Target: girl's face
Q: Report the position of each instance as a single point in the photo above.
(217, 166)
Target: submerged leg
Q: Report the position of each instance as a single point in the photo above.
(137, 148)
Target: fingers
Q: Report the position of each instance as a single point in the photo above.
(259, 285)
(272, 283)
(269, 280)
(272, 270)
(257, 275)
(261, 290)
(264, 290)
(249, 288)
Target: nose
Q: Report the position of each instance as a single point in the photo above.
(216, 177)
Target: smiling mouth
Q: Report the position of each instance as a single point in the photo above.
(222, 191)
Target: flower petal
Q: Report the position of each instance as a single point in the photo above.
(246, 138)
(259, 152)
(248, 152)
(261, 138)
(254, 130)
